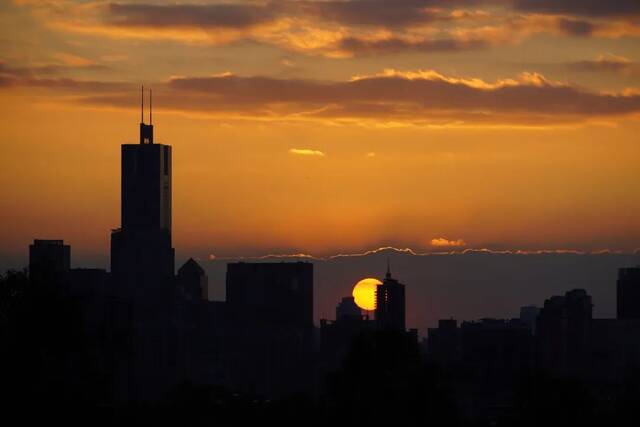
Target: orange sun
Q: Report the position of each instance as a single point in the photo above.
(364, 293)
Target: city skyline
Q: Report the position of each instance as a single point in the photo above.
(320, 212)
(142, 245)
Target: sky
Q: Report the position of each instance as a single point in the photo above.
(469, 285)
(326, 127)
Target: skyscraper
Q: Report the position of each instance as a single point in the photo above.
(628, 295)
(142, 267)
(141, 252)
(390, 304)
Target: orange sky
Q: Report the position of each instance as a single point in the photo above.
(326, 127)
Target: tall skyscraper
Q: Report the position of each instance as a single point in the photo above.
(628, 293)
(390, 304)
(142, 267)
(141, 252)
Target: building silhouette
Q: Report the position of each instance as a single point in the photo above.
(193, 281)
(337, 336)
(142, 257)
(390, 304)
(347, 308)
(49, 260)
(277, 293)
(628, 295)
(270, 314)
(443, 342)
(563, 331)
(142, 271)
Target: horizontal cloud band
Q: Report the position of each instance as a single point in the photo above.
(398, 95)
(403, 96)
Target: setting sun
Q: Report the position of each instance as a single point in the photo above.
(364, 293)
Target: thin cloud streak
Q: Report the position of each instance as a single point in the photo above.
(607, 64)
(442, 242)
(306, 152)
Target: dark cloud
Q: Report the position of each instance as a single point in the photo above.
(593, 8)
(33, 77)
(411, 96)
(191, 15)
(52, 69)
(576, 27)
(396, 13)
(75, 85)
(610, 64)
(373, 12)
(362, 47)
(394, 95)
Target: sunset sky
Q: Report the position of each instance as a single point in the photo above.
(326, 127)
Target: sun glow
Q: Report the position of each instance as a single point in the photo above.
(364, 293)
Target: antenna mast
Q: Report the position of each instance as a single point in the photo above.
(142, 104)
(150, 108)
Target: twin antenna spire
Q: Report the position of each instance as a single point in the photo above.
(142, 106)
(146, 131)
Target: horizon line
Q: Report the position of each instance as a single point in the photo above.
(412, 252)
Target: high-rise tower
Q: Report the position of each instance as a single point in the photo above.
(141, 252)
(390, 304)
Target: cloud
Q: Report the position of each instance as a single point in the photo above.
(340, 28)
(418, 97)
(37, 77)
(594, 8)
(442, 242)
(576, 27)
(373, 12)
(221, 15)
(362, 47)
(306, 152)
(401, 95)
(607, 63)
(18, 72)
(382, 13)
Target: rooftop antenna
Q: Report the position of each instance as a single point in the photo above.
(142, 104)
(150, 108)
(388, 268)
(146, 130)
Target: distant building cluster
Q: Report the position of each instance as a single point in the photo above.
(562, 338)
